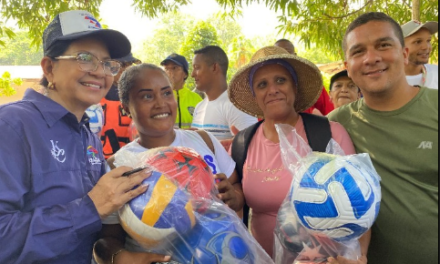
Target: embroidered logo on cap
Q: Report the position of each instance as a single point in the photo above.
(78, 21)
(93, 22)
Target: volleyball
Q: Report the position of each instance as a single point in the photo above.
(214, 240)
(96, 118)
(336, 196)
(187, 168)
(160, 215)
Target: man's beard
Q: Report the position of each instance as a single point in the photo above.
(416, 61)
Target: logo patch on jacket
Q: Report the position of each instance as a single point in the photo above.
(92, 155)
(191, 110)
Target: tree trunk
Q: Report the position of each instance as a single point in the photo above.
(416, 10)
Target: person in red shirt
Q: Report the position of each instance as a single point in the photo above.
(324, 104)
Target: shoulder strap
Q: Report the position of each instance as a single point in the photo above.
(207, 139)
(318, 131)
(240, 147)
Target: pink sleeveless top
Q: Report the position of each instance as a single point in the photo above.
(266, 182)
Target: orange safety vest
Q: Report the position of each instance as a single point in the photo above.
(116, 130)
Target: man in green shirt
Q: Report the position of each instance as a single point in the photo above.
(176, 67)
(397, 124)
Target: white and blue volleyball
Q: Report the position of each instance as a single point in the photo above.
(96, 118)
(160, 215)
(335, 196)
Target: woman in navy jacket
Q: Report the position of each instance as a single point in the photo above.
(53, 194)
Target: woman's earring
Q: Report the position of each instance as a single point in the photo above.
(51, 86)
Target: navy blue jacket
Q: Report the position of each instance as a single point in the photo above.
(48, 164)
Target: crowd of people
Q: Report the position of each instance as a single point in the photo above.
(60, 190)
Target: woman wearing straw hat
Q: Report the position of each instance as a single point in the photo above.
(275, 86)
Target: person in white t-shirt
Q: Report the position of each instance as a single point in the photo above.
(147, 97)
(216, 113)
(418, 38)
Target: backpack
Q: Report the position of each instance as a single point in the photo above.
(318, 141)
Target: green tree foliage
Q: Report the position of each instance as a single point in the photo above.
(167, 38)
(5, 31)
(203, 34)
(34, 16)
(324, 22)
(154, 8)
(6, 83)
(321, 22)
(18, 51)
(179, 33)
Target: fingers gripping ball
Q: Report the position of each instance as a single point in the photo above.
(187, 168)
(336, 196)
(214, 240)
(160, 215)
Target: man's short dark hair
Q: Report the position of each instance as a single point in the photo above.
(215, 54)
(373, 16)
(284, 40)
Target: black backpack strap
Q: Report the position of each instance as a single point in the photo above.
(240, 148)
(318, 131)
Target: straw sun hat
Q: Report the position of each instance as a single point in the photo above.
(309, 81)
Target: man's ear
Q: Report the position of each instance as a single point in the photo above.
(47, 65)
(406, 55)
(216, 67)
(348, 72)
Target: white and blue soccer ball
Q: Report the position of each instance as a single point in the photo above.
(338, 197)
(96, 118)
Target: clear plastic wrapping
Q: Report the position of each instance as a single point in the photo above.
(180, 214)
(334, 200)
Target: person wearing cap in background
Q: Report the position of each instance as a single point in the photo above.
(418, 38)
(324, 104)
(116, 132)
(54, 192)
(176, 67)
(343, 90)
(275, 86)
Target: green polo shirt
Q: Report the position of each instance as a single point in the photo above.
(403, 145)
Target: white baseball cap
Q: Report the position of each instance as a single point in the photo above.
(413, 27)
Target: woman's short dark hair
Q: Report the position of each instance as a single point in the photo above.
(56, 50)
(129, 77)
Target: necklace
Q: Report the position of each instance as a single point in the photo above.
(424, 75)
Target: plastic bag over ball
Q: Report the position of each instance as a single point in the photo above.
(333, 201)
(180, 215)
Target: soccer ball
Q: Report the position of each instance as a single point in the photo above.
(160, 215)
(338, 197)
(214, 240)
(96, 118)
(188, 169)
